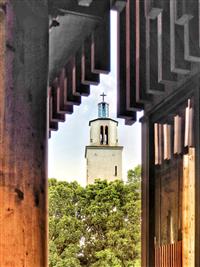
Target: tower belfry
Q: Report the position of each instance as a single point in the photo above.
(103, 155)
(103, 108)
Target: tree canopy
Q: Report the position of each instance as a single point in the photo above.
(95, 226)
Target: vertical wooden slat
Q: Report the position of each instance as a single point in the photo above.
(159, 131)
(156, 262)
(188, 234)
(175, 256)
(191, 134)
(167, 141)
(186, 127)
(177, 134)
(156, 143)
(188, 139)
(191, 211)
(185, 207)
(160, 143)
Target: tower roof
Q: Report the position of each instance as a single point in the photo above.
(108, 119)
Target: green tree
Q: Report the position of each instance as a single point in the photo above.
(96, 226)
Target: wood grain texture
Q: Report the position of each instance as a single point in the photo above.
(169, 255)
(188, 232)
(23, 146)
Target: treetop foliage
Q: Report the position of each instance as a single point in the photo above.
(95, 226)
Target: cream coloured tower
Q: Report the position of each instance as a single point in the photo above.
(103, 155)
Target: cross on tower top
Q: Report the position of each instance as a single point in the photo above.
(103, 95)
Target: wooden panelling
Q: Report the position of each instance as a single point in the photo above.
(169, 255)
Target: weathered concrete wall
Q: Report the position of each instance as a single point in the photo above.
(23, 133)
(101, 162)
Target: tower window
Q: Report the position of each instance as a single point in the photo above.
(101, 135)
(106, 135)
(115, 170)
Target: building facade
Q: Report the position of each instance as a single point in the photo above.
(103, 155)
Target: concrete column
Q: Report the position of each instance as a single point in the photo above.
(23, 133)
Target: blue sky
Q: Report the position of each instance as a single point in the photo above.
(67, 145)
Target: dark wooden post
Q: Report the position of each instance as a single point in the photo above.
(23, 133)
(145, 192)
(148, 194)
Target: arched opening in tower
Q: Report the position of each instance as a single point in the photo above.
(101, 135)
(106, 135)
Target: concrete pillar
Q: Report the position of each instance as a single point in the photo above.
(23, 133)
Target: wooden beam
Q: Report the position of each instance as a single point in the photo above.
(64, 107)
(142, 95)
(122, 110)
(82, 89)
(23, 134)
(178, 63)
(87, 77)
(126, 58)
(54, 96)
(145, 194)
(154, 85)
(72, 97)
(101, 46)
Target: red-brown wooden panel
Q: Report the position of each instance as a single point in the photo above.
(169, 255)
